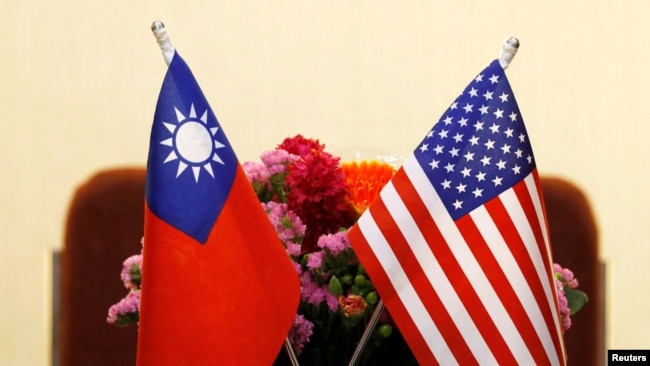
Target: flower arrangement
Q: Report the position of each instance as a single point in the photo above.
(311, 199)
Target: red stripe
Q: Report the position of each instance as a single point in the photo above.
(449, 264)
(524, 197)
(393, 302)
(445, 324)
(516, 311)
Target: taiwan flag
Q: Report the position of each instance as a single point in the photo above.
(218, 287)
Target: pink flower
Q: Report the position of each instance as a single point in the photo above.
(131, 275)
(287, 224)
(124, 311)
(315, 260)
(335, 243)
(565, 312)
(255, 172)
(300, 332)
(277, 160)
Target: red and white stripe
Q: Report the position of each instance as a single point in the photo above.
(478, 290)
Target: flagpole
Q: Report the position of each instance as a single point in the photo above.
(370, 327)
(168, 51)
(164, 41)
(508, 51)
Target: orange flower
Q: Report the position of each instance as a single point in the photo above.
(352, 305)
(366, 179)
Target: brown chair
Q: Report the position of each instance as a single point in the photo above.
(574, 241)
(105, 224)
(104, 227)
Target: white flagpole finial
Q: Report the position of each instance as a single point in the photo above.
(165, 43)
(508, 51)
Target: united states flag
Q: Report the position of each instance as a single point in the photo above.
(457, 243)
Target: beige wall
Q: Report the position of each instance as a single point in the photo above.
(79, 80)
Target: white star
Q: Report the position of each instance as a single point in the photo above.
(501, 164)
(474, 140)
(504, 97)
(424, 147)
(516, 169)
(453, 105)
(473, 92)
(446, 184)
(462, 122)
(447, 121)
(458, 137)
(489, 145)
(488, 95)
(430, 134)
(454, 152)
(522, 138)
(486, 160)
(494, 79)
(509, 132)
(466, 172)
(478, 193)
(433, 164)
(468, 107)
(478, 125)
(438, 149)
(513, 117)
(494, 128)
(530, 159)
(498, 113)
(449, 167)
(443, 134)
(484, 109)
(505, 148)
(469, 156)
(458, 204)
(480, 176)
(497, 181)
(479, 78)
(461, 188)
(519, 153)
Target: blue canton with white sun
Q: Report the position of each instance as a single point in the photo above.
(191, 166)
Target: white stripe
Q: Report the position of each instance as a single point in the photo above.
(467, 262)
(542, 267)
(536, 196)
(407, 294)
(506, 261)
(428, 262)
(516, 213)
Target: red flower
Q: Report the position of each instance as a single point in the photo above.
(318, 195)
(300, 146)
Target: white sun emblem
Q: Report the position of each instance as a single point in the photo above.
(194, 142)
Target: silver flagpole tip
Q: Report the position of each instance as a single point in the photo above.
(157, 25)
(512, 41)
(508, 51)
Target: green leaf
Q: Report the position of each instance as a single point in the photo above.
(577, 299)
(335, 287)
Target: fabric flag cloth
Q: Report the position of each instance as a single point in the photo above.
(457, 243)
(218, 287)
